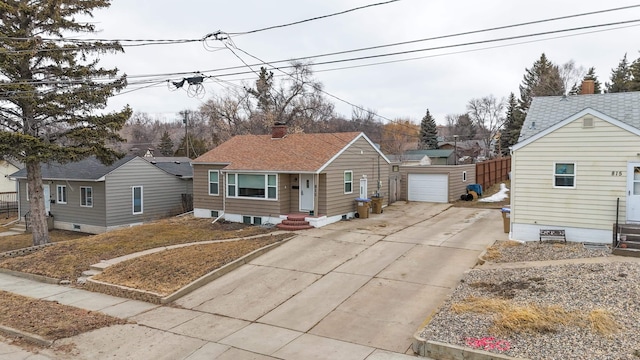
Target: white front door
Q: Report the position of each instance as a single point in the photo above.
(633, 192)
(307, 187)
(47, 198)
(363, 188)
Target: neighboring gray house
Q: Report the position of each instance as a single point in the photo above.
(425, 157)
(91, 197)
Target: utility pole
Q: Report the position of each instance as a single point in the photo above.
(185, 121)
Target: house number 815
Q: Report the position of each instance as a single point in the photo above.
(616, 173)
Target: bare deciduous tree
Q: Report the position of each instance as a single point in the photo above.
(487, 113)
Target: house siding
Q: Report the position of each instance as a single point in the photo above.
(456, 185)
(201, 198)
(161, 193)
(6, 169)
(362, 159)
(72, 212)
(601, 155)
(262, 207)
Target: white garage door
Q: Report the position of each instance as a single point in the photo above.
(429, 187)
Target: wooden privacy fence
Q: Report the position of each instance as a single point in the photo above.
(493, 171)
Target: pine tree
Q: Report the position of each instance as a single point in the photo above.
(428, 132)
(634, 84)
(620, 77)
(166, 145)
(49, 89)
(543, 79)
(512, 125)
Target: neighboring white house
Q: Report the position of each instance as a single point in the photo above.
(8, 167)
(576, 159)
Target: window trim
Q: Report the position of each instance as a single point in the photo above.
(217, 193)
(61, 199)
(345, 182)
(133, 199)
(574, 175)
(235, 184)
(83, 190)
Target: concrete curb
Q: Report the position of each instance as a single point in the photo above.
(155, 298)
(33, 338)
(444, 351)
(34, 277)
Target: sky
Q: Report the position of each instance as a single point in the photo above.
(441, 80)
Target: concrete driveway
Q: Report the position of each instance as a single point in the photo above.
(356, 289)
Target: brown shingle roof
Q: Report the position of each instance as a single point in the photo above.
(295, 152)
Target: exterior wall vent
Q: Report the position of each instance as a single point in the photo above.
(587, 122)
(76, 227)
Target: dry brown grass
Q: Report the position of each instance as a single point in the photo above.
(168, 271)
(68, 259)
(494, 252)
(532, 319)
(21, 241)
(6, 218)
(49, 319)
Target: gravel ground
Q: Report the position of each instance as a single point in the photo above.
(580, 288)
(512, 251)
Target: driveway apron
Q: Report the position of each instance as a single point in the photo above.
(361, 287)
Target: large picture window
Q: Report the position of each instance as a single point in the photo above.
(564, 175)
(214, 182)
(136, 199)
(259, 186)
(86, 196)
(348, 182)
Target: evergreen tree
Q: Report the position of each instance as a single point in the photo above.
(512, 125)
(166, 145)
(620, 77)
(543, 79)
(634, 84)
(428, 132)
(591, 75)
(197, 147)
(49, 89)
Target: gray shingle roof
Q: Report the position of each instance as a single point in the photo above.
(547, 111)
(178, 166)
(90, 169)
(433, 153)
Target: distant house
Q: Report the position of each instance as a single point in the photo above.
(91, 197)
(8, 166)
(468, 151)
(265, 178)
(425, 157)
(576, 157)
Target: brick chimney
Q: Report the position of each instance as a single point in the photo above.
(278, 131)
(587, 87)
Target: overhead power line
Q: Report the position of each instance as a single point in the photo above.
(312, 19)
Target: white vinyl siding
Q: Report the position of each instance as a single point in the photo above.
(137, 200)
(61, 194)
(86, 196)
(597, 155)
(348, 182)
(254, 186)
(214, 182)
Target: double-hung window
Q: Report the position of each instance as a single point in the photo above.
(257, 186)
(348, 182)
(61, 194)
(214, 182)
(86, 196)
(137, 199)
(564, 175)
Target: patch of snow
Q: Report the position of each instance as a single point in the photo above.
(499, 196)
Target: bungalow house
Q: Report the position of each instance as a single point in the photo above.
(91, 197)
(576, 167)
(260, 179)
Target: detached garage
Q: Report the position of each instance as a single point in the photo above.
(436, 183)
